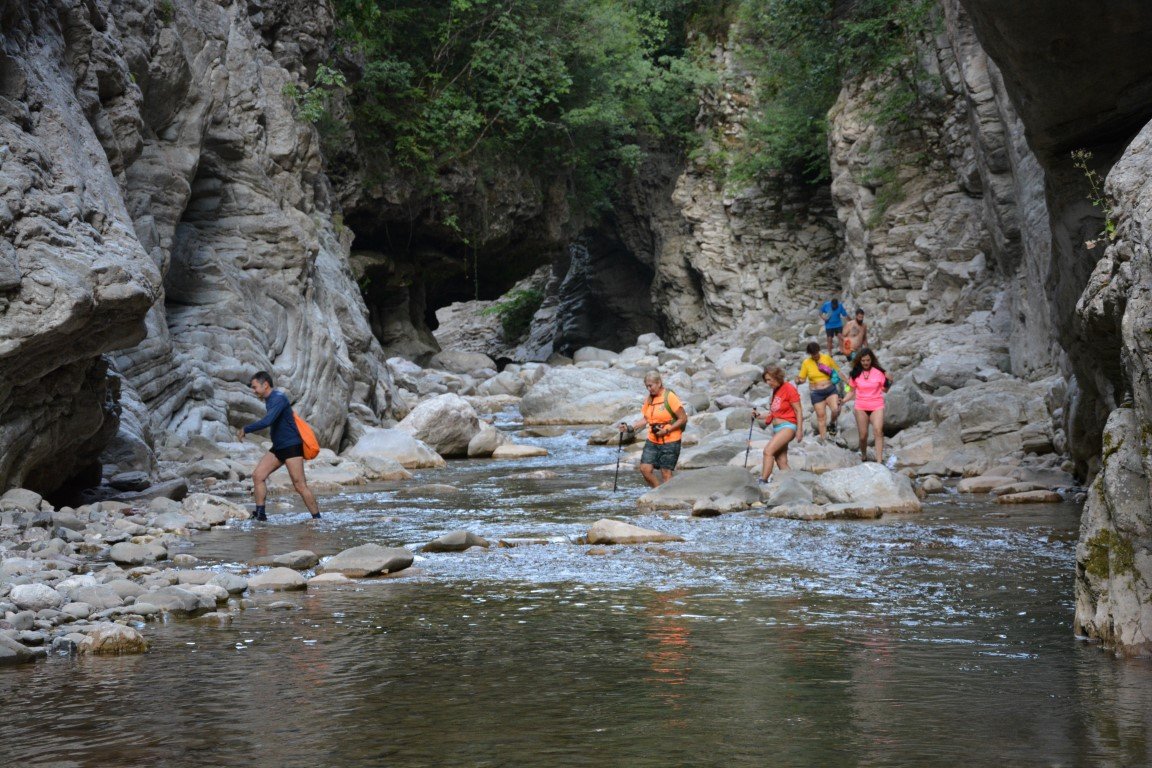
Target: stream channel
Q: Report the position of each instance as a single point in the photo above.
(918, 640)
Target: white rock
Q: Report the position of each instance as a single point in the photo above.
(871, 485)
(398, 445)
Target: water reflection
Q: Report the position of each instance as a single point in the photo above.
(921, 641)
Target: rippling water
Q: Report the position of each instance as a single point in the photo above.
(921, 640)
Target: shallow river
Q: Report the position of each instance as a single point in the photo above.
(923, 640)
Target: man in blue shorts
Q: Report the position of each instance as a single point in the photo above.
(833, 315)
(287, 446)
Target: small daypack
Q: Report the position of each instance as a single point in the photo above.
(669, 408)
(311, 444)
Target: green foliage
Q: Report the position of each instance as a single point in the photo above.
(802, 52)
(516, 311)
(312, 101)
(166, 11)
(1081, 160)
(888, 187)
(565, 86)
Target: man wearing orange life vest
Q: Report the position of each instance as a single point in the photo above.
(665, 418)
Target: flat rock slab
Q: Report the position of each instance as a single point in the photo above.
(538, 474)
(1030, 497)
(686, 488)
(127, 553)
(456, 541)
(330, 578)
(514, 451)
(172, 599)
(277, 579)
(368, 560)
(607, 531)
(812, 512)
(983, 483)
(1018, 488)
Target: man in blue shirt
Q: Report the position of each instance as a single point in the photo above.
(287, 446)
(833, 315)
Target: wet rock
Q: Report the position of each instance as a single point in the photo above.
(1030, 497)
(13, 652)
(277, 579)
(213, 510)
(811, 512)
(515, 451)
(219, 618)
(175, 521)
(1001, 490)
(456, 541)
(397, 445)
(383, 469)
(229, 581)
(487, 440)
(688, 487)
(35, 597)
(608, 531)
(329, 578)
(184, 560)
(446, 423)
(932, 484)
(871, 485)
(537, 474)
(300, 560)
(714, 451)
(719, 505)
(368, 560)
(983, 483)
(209, 594)
(194, 577)
(175, 489)
(789, 488)
(108, 638)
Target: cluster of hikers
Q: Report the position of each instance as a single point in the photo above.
(662, 413)
(865, 384)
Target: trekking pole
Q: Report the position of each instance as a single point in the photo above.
(619, 447)
(748, 447)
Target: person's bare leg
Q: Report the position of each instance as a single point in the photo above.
(649, 475)
(778, 443)
(821, 426)
(666, 474)
(300, 484)
(267, 465)
(834, 403)
(877, 421)
(782, 455)
(862, 428)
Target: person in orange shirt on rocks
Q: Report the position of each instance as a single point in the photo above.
(786, 418)
(665, 418)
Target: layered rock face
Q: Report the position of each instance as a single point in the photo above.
(170, 199)
(1081, 79)
(75, 282)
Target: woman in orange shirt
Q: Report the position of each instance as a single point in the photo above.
(785, 417)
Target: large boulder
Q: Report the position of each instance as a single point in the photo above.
(212, 510)
(590, 354)
(35, 597)
(582, 396)
(368, 560)
(607, 531)
(904, 407)
(717, 450)
(484, 442)
(12, 652)
(688, 487)
(398, 445)
(808, 456)
(108, 638)
(870, 485)
(504, 383)
(446, 423)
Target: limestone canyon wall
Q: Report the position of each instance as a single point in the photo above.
(167, 215)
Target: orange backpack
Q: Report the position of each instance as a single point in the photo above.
(311, 445)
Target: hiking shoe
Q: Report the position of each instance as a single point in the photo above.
(261, 516)
(762, 482)
(316, 516)
(832, 428)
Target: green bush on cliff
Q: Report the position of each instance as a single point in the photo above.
(569, 86)
(516, 311)
(802, 52)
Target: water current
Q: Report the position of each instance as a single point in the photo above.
(920, 640)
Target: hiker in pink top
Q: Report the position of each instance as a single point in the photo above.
(869, 383)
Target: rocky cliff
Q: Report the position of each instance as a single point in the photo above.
(162, 203)
(1081, 80)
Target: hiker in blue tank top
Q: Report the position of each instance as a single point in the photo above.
(833, 314)
(287, 446)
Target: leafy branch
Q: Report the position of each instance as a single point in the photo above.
(1081, 159)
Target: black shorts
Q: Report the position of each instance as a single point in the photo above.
(289, 452)
(661, 455)
(820, 395)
